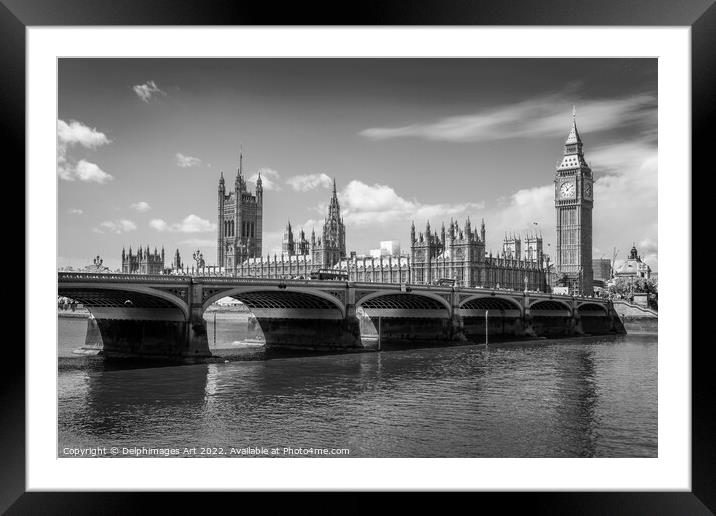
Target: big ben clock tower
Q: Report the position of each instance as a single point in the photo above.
(573, 202)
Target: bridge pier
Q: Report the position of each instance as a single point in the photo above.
(402, 331)
(197, 342)
(311, 334)
(457, 322)
(153, 339)
(528, 329)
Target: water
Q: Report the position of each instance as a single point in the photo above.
(590, 397)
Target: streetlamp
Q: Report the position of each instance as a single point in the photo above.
(199, 259)
(97, 263)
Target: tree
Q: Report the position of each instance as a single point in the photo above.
(627, 287)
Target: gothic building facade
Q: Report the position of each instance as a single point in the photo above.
(143, 261)
(459, 254)
(301, 256)
(240, 221)
(573, 202)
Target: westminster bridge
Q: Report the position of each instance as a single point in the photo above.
(161, 316)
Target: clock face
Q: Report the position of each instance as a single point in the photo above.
(566, 190)
(588, 190)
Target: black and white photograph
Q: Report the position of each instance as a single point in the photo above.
(357, 257)
(404, 250)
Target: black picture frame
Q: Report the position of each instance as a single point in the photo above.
(17, 15)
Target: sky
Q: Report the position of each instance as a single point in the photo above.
(141, 144)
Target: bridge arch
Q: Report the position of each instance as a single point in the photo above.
(263, 297)
(592, 308)
(489, 302)
(108, 296)
(394, 300)
(550, 307)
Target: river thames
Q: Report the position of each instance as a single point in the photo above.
(585, 397)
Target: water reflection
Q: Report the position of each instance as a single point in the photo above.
(577, 408)
(125, 402)
(576, 398)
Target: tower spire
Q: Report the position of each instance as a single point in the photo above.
(573, 137)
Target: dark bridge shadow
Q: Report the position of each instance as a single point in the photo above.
(400, 320)
(493, 318)
(298, 320)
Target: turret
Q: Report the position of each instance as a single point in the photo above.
(288, 246)
(259, 190)
(240, 185)
(412, 232)
(220, 222)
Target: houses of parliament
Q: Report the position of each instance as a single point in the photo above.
(455, 253)
(240, 236)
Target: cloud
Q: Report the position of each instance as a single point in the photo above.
(308, 182)
(147, 90)
(116, 226)
(269, 178)
(74, 134)
(76, 211)
(140, 206)
(518, 213)
(91, 173)
(543, 116)
(77, 133)
(187, 161)
(190, 224)
(158, 224)
(373, 204)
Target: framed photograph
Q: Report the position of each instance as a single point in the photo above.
(418, 253)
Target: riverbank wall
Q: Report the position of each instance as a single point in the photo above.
(637, 319)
